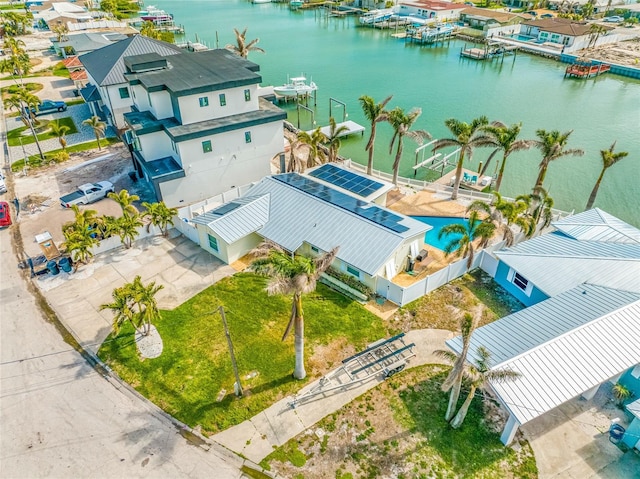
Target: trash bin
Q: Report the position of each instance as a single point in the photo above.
(52, 266)
(65, 264)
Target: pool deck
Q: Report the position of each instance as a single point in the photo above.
(425, 203)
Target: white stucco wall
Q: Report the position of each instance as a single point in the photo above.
(156, 145)
(192, 112)
(160, 104)
(231, 163)
(139, 97)
(203, 235)
(119, 106)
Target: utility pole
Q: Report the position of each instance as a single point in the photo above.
(233, 356)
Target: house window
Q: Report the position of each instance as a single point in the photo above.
(247, 95)
(124, 92)
(204, 101)
(520, 281)
(213, 243)
(353, 271)
(223, 99)
(247, 137)
(206, 146)
(314, 249)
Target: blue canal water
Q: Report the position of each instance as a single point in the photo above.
(347, 61)
(431, 236)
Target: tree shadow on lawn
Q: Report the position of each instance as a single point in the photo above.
(466, 451)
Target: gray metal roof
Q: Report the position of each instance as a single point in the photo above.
(87, 42)
(598, 225)
(555, 263)
(296, 217)
(106, 65)
(238, 218)
(562, 347)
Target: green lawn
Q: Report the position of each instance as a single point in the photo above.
(44, 133)
(398, 430)
(11, 89)
(36, 162)
(194, 366)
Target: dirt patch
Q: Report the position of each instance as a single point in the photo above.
(621, 53)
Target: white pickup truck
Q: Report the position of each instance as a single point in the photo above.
(87, 193)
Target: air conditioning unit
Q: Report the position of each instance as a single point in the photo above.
(422, 255)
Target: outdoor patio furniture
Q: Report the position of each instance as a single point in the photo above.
(616, 431)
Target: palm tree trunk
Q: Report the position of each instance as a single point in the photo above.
(453, 400)
(371, 142)
(299, 372)
(456, 185)
(540, 179)
(501, 173)
(594, 192)
(462, 413)
(396, 162)
(98, 140)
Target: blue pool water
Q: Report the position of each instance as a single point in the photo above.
(431, 237)
(521, 38)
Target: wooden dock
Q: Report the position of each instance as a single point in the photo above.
(352, 128)
(489, 52)
(586, 69)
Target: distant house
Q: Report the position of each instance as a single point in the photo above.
(81, 43)
(198, 126)
(482, 18)
(431, 9)
(54, 13)
(311, 214)
(582, 326)
(107, 92)
(593, 247)
(560, 31)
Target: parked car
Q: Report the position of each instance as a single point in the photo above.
(49, 106)
(613, 19)
(546, 15)
(3, 186)
(87, 193)
(5, 214)
(532, 13)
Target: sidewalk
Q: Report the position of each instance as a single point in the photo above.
(257, 437)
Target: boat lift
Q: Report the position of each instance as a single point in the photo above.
(385, 358)
(433, 162)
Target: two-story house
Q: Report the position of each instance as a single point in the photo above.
(197, 125)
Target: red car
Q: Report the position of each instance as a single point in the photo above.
(5, 214)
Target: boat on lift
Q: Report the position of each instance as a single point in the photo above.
(296, 86)
(153, 14)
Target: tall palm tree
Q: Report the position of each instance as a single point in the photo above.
(479, 373)
(24, 102)
(160, 215)
(60, 132)
(401, 123)
(375, 113)
(333, 139)
(504, 214)
(128, 228)
(552, 144)
(466, 136)
(539, 209)
(98, 126)
(243, 48)
(465, 235)
(314, 141)
(453, 381)
(294, 164)
(295, 275)
(149, 30)
(609, 158)
(125, 200)
(506, 140)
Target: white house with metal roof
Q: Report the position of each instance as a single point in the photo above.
(592, 246)
(310, 214)
(563, 347)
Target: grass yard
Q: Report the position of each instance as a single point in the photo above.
(44, 133)
(36, 162)
(11, 89)
(189, 380)
(398, 430)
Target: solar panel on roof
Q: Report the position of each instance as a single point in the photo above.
(345, 179)
(361, 208)
(224, 209)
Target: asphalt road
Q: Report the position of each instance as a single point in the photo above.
(59, 418)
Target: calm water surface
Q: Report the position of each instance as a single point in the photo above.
(347, 61)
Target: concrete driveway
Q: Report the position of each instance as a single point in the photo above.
(572, 441)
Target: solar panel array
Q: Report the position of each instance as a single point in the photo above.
(361, 208)
(347, 180)
(224, 209)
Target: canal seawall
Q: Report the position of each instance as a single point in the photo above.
(623, 70)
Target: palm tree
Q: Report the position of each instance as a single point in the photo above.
(401, 123)
(160, 215)
(467, 136)
(136, 303)
(243, 48)
(295, 163)
(506, 140)
(314, 142)
(98, 126)
(539, 209)
(128, 228)
(479, 373)
(609, 158)
(125, 200)
(375, 113)
(453, 381)
(61, 30)
(149, 30)
(503, 214)
(295, 275)
(465, 235)
(24, 102)
(59, 131)
(79, 243)
(552, 144)
(333, 139)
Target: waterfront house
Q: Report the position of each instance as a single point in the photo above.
(561, 31)
(431, 9)
(312, 213)
(107, 92)
(483, 19)
(198, 126)
(592, 246)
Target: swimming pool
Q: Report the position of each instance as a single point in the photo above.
(521, 38)
(431, 237)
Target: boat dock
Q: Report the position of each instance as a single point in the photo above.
(586, 69)
(351, 128)
(490, 51)
(429, 35)
(471, 180)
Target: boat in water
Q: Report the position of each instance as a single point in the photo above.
(260, 1)
(376, 16)
(295, 4)
(296, 86)
(153, 14)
